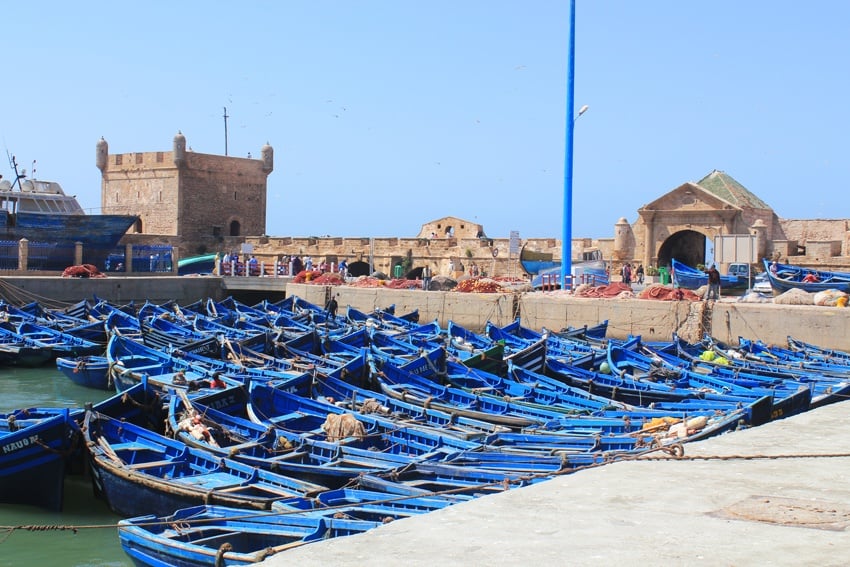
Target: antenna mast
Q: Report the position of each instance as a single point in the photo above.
(18, 176)
(225, 130)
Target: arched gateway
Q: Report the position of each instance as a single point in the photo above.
(677, 224)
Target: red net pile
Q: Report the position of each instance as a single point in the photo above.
(664, 293)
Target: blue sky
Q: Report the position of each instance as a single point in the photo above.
(385, 114)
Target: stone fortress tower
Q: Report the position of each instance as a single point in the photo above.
(196, 202)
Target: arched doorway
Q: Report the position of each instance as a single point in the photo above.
(235, 228)
(686, 246)
(357, 269)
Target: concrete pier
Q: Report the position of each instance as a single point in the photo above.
(778, 494)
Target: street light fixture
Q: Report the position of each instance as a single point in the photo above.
(581, 111)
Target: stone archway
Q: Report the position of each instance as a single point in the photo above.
(686, 246)
(357, 269)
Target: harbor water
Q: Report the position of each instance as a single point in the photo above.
(95, 541)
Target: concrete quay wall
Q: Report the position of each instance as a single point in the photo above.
(828, 327)
(18, 290)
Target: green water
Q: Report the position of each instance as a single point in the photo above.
(95, 546)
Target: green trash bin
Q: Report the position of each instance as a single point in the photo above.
(664, 275)
(397, 271)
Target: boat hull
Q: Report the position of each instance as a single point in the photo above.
(33, 459)
(94, 231)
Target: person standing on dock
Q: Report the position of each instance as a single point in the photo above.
(331, 307)
(713, 283)
(426, 277)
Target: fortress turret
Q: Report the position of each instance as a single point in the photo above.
(101, 159)
(267, 153)
(179, 149)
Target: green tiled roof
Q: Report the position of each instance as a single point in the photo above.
(722, 185)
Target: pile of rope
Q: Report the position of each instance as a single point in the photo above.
(327, 278)
(83, 271)
(614, 289)
(661, 292)
(478, 285)
(307, 276)
(399, 283)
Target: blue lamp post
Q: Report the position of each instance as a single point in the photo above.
(566, 237)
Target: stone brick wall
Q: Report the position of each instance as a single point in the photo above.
(144, 184)
(218, 191)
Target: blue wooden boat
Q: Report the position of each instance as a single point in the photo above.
(162, 333)
(614, 386)
(77, 320)
(217, 536)
(363, 400)
(331, 464)
(129, 360)
(787, 398)
(382, 319)
(570, 342)
(755, 357)
(764, 367)
(119, 322)
(141, 472)
(352, 501)
(410, 318)
(475, 350)
(410, 385)
(810, 351)
(273, 407)
(429, 479)
(35, 446)
(413, 385)
(61, 344)
(789, 277)
(142, 404)
(18, 350)
(687, 277)
(87, 371)
(587, 333)
(315, 348)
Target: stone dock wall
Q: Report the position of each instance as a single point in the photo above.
(653, 320)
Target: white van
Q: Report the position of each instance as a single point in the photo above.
(740, 270)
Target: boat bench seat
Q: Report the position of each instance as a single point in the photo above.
(290, 456)
(286, 417)
(130, 447)
(210, 480)
(150, 464)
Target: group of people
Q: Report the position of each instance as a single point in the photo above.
(287, 265)
(632, 275)
(810, 277)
